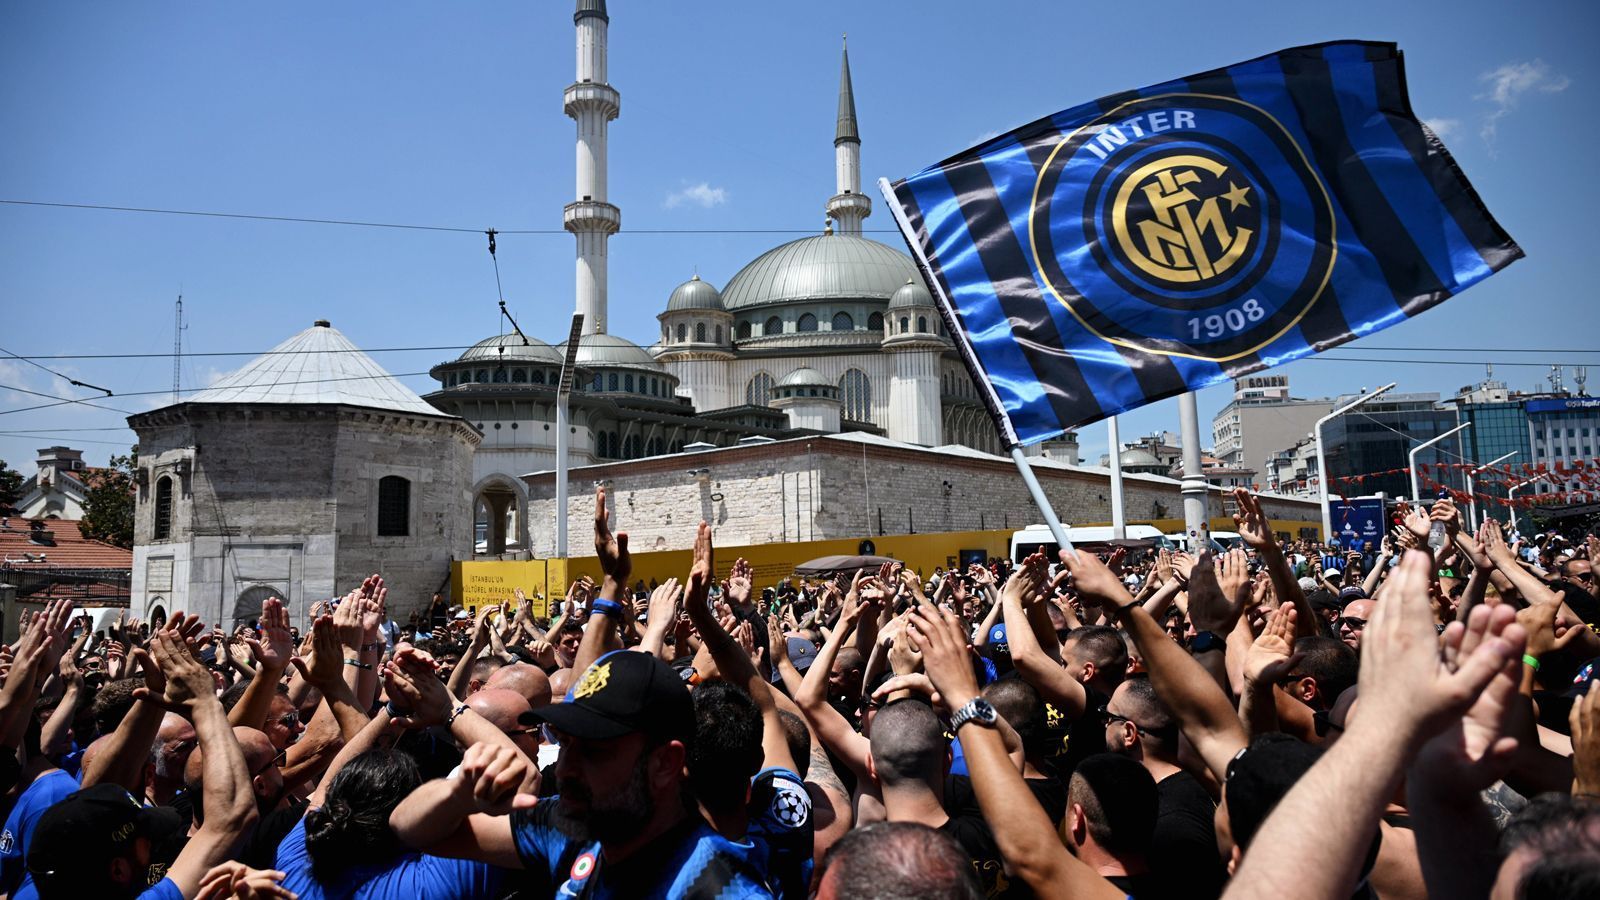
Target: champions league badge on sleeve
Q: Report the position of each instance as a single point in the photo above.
(1191, 225)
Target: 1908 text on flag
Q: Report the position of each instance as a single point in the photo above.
(1161, 240)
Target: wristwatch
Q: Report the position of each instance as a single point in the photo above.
(976, 710)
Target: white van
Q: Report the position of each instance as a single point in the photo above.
(1180, 541)
(1034, 538)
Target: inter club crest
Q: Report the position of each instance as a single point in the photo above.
(1193, 225)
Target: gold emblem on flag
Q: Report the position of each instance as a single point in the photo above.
(1176, 219)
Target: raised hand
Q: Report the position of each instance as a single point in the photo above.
(275, 646)
(612, 549)
(347, 621)
(1444, 510)
(937, 634)
(1539, 620)
(1183, 564)
(183, 679)
(412, 682)
(1418, 522)
(1233, 575)
(1252, 523)
(1413, 681)
(1474, 751)
(703, 567)
(1494, 543)
(1272, 655)
(492, 774)
(1585, 721)
(739, 584)
(1163, 570)
(1091, 578)
(1209, 608)
(324, 664)
(235, 880)
(664, 602)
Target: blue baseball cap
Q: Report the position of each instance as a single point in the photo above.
(997, 639)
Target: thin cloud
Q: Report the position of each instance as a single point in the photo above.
(1443, 128)
(702, 195)
(1506, 85)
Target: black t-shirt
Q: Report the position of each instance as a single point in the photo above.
(1141, 887)
(1086, 735)
(1051, 792)
(261, 850)
(977, 841)
(1183, 853)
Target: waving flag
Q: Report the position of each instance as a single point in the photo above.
(1165, 239)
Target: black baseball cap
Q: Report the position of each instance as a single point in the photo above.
(622, 692)
(76, 839)
(1259, 776)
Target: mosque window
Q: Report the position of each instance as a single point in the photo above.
(922, 323)
(875, 322)
(807, 322)
(611, 382)
(538, 376)
(744, 331)
(700, 332)
(905, 324)
(501, 376)
(758, 392)
(519, 376)
(856, 391)
(482, 376)
(599, 385)
(635, 447)
(450, 380)
(683, 332)
(774, 326)
(163, 529)
(843, 322)
(627, 382)
(719, 334)
(394, 506)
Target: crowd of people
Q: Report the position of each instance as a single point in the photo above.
(1280, 719)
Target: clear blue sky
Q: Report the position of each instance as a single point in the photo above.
(450, 114)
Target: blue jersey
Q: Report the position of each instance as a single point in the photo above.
(46, 791)
(689, 862)
(411, 876)
(780, 820)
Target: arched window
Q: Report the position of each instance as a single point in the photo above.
(875, 322)
(394, 506)
(744, 331)
(519, 376)
(683, 332)
(905, 324)
(719, 334)
(611, 381)
(635, 447)
(758, 392)
(807, 322)
(450, 380)
(483, 376)
(538, 376)
(599, 383)
(700, 332)
(922, 323)
(501, 376)
(856, 392)
(627, 382)
(843, 322)
(774, 326)
(163, 529)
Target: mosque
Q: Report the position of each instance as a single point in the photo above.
(311, 466)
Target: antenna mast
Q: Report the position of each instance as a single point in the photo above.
(177, 348)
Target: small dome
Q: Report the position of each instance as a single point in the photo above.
(805, 377)
(912, 293)
(601, 351)
(695, 294)
(534, 350)
(1135, 456)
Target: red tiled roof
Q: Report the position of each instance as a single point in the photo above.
(64, 547)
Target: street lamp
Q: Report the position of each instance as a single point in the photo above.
(1322, 456)
(1511, 497)
(563, 397)
(1472, 488)
(1416, 492)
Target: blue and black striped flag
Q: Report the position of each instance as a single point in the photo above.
(1165, 239)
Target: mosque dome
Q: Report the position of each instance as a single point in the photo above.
(534, 350)
(805, 376)
(820, 267)
(912, 293)
(695, 294)
(1135, 457)
(608, 351)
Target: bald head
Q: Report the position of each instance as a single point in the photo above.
(528, 681)
(559, 682)
(500, 706)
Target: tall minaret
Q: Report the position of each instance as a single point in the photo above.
(848, 207)
(593, 103)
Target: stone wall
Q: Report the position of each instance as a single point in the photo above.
(846, 486)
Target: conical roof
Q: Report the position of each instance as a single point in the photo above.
(845, 128)
(316, 366)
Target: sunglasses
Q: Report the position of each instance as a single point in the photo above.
(1322, 723)
(277, 760)
(1351, 622)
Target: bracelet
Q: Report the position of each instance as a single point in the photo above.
(358, 664)
(454, 715)
(396, 712)
(375, 645)
(607, 607)
(1530, 661)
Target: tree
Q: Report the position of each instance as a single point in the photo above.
(108, 506)
(11, 482)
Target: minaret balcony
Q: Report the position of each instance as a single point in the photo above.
(591, 215)
(586, 95)
(860, 204)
